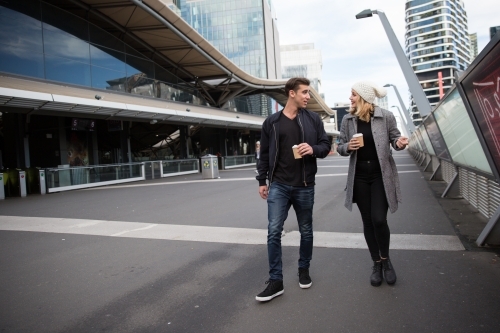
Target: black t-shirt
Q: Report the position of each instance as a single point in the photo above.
(368, 152)
(288, 169)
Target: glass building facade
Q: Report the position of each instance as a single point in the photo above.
(437, 41)
(473, 46)
(237, 28)
(41, 41)
(245, 32)
(494, 31)
(302, 60)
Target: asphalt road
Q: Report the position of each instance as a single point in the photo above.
(119, 281)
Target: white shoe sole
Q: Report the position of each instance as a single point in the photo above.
(268, 298)
(305, 286)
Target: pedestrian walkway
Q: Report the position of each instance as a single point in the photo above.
(188, 255)
(217, 234)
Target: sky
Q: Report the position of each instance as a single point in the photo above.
(355, 50)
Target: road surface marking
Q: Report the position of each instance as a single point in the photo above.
(217, 234)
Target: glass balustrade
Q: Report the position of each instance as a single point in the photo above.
(238, 161)
(63, 179)
(179, 167)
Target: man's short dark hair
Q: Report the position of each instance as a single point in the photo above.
(294, 82)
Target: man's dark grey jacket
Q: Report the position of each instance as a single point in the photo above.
(312, 132)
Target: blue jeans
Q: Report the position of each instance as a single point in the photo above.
(279, 200)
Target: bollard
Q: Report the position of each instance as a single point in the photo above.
(43, 186)
(2, 188)
(22, 183)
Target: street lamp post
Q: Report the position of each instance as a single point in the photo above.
(409, 120)
(405, 127)
(415, 88)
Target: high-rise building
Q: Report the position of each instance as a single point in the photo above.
(437, 41)
(494, 31)
(382, 102)
(245, 32)
(473, 46)
(302, 60)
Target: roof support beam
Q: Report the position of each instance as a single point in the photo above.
(224, 100)
(200, 84)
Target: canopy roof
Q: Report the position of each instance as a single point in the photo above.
(161, 35)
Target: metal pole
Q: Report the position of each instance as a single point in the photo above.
(2, 188)
(409, 121)
(43, 185)
(22, 183)
(404, 127)
(411, 78)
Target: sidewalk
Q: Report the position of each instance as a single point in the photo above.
(186, 255)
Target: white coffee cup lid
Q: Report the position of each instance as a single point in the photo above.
(294, 146)
(357, 135)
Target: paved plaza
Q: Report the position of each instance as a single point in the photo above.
(183, 254)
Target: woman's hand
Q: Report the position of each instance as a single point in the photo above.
(353, 144)
(402, 142)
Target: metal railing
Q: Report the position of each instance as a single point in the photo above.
(238, 161)
(179, 167)
(72, 178)
(481, 192)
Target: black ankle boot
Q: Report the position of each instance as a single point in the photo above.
(389, 272)
(376, 277)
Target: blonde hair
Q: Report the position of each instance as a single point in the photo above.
(363, 110)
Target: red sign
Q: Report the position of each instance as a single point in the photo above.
(482, 87)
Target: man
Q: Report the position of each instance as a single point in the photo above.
(291, 180)
(257, 156)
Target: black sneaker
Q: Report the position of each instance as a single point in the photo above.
(274, 288)
(304, 278)
(376, 277)
(389, 272)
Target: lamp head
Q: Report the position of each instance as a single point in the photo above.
(388, 85)
(364, 13)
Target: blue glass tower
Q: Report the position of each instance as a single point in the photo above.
(243, 30)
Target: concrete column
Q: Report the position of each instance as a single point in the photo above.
(124, 137)
(63, 142)
(95, 148)
(20, 144)
(183, 132)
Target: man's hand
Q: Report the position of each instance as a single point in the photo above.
(263, 191)
(304, 149)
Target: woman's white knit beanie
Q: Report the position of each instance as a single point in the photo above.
(369, 90)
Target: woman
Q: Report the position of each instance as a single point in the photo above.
(372, 181)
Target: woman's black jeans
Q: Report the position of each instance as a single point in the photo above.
(369, 194)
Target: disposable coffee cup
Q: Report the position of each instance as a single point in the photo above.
(359, 137)
(296, 154)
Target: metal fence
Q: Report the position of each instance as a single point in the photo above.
(481, 192)
(238, 161)
(72, 178)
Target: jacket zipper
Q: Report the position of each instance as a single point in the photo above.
(275, 157)
(303, 140)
